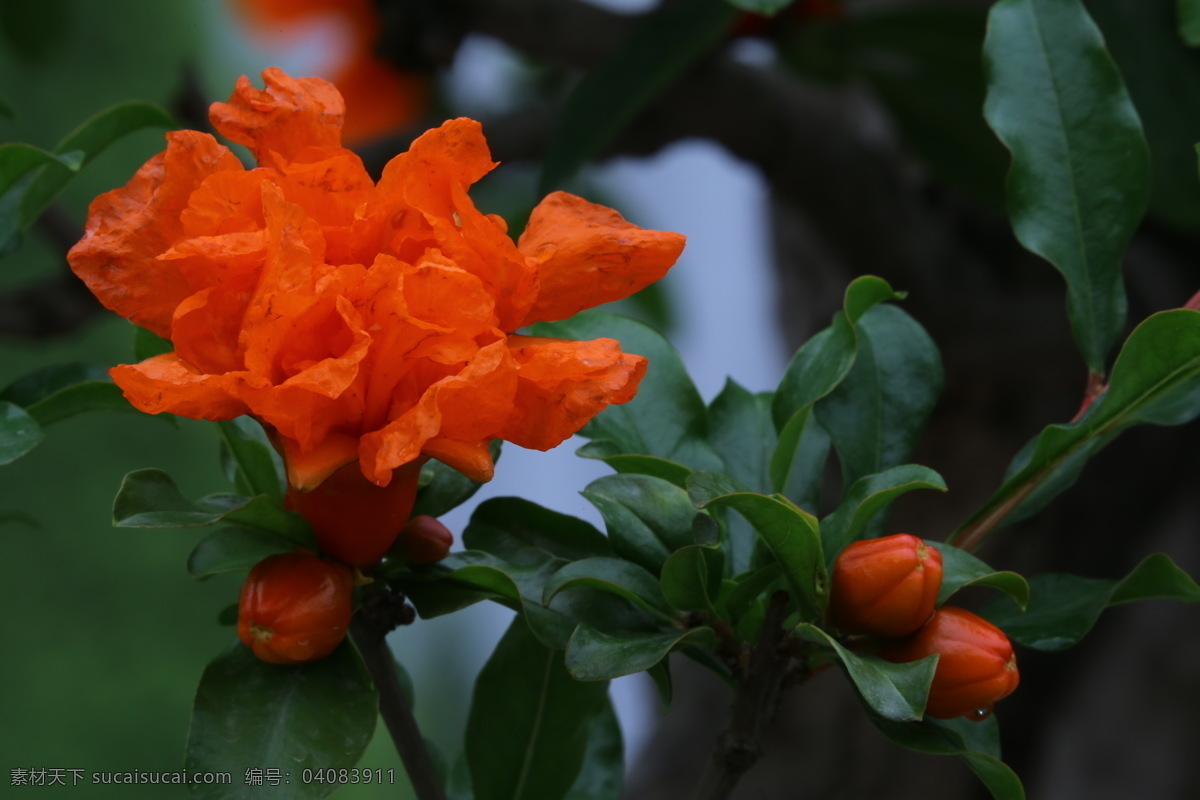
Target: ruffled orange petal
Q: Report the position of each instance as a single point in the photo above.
(128, 228)
(205, 330)
(467, 407)
(562, 384)
(588, 254)
(432, 178)
(166, 384)
(472, 459)
(283, 119)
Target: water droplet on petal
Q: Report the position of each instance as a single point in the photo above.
(545, 252)
(979, 714)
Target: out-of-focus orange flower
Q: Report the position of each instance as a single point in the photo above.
(379, 96)
(359, 322)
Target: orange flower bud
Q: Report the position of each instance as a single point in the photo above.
(886, 587)
(294, 608)
(976, 668)
(355, 520)
(424, 540)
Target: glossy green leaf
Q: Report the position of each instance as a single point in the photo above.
(1063, 608)
(594, 655)
(91, 138)
(747, 588)
(894, 691)
(937, 738)
(64, 390)
(1079, 181)
(647, 518)
(961, 569)
(798, 461)
(663, 45)
(691, 577)
(17, 159)
(602, 775)
(629, 463)
(1156, 371)
(529, 721)
(149, 498)
(743, 434)
(1189, 21)
(233, 550)
(614, 575)
(867, 497)
(525, 533)
(19, 432)
(442, 488)
(878, 411)
(250, 461)
(667, 418)
(249, 714)
(791, 534)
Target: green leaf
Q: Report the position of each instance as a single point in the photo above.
(529, 721)
(250, 714)
(63, 390)
(894, 691)
(602, 776)
(233, 550)
(19, 432)
(525, 533)
(91, 138)
(1079, 181)
(647, 518)
(443, 488)
(1189, 21)
(791, 534)
(630, 463)
(594, 655)
(667, 418)
(938, 738)
(663, 45)
(691, 578)
(867, 497)
(16, 160)
(250, 461)
(878, 411)
(1063, 608)
(149, 498)
(1155, 373)
(743, 434)
(798, 461)
(960, 568)
(616, 576)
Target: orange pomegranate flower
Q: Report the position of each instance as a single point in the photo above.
(367, 326)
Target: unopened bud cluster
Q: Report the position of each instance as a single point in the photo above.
(888, 587)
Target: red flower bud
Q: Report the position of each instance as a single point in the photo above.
(294, 608)
(886, 587)
(424, 540)
(355, 520)
(976, 667)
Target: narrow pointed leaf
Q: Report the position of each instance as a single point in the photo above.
(647, 518)
(602, 775)
(937, 738)
(19, 432)
(1079, 181)
(525, 533)
(527, 731)
(1063, 608)
(1155, 380)
(613, 575)
(251, 463)
(867, 497)
(960, 569)
(894, 691)
(593, 655)
(233, 550)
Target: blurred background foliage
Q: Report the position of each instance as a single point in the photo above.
(863, 118)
